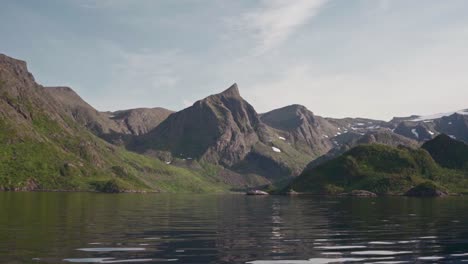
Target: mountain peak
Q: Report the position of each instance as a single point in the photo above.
(15, 66)
(232, 91)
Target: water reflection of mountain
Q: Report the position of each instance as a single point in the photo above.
(228, 228)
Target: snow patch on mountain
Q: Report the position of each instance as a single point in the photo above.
(440, 115)
(415, 132)
(277, 150)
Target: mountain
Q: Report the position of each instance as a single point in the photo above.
(83, 113)
(53, 139)
(140, 121)
(422, 128)
(112, 126)
(225, 129)
(220, 129)
(448, 152)
(45, 144)
(305, 131)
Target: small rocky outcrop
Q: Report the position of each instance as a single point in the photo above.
(359, 193)
(426, 189)
(256, 192)
(291, 192)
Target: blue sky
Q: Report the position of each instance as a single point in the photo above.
(369, 58)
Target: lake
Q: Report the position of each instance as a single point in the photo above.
(160, 228)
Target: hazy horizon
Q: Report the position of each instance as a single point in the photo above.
(364, 58)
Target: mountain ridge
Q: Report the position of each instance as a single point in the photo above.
(222, 133)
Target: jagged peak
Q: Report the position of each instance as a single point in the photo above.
(232, 91)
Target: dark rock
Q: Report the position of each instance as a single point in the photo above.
(426, 189)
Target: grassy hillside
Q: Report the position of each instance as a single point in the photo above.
(52, 159)
(380, 169)
(43, 148)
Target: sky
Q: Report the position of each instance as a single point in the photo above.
(339, 58)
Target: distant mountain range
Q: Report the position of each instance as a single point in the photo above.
(52, 139)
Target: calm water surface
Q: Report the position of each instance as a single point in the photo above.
(155, 228)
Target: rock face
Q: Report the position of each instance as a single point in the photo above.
(415, 131)
(221, 129)
(422, 128)
(307, 132)
(140, 121)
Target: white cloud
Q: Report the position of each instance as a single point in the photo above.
(151, 69)
(272, 23)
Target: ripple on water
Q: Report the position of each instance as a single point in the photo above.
(110, 249)
(381, 243)
(391, 262)
(104, 260)
(310, 261)
(428, 237)
(340, 247)
(380, 253)
(431, 258)
(408, 241)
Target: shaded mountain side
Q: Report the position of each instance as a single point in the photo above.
(306, 132)
(416, 131)
(115, 127)
(455, 126)
(43, 147)
(448, 152)
(423, 128)
(140, 121)
(221, 128)
(380, 169)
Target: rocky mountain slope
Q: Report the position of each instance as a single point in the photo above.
(44, 147)
(226, 130)
(112, 126)
(305, 131)
(220, 136)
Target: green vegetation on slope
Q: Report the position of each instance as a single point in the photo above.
(380, 169)
(42, 154)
